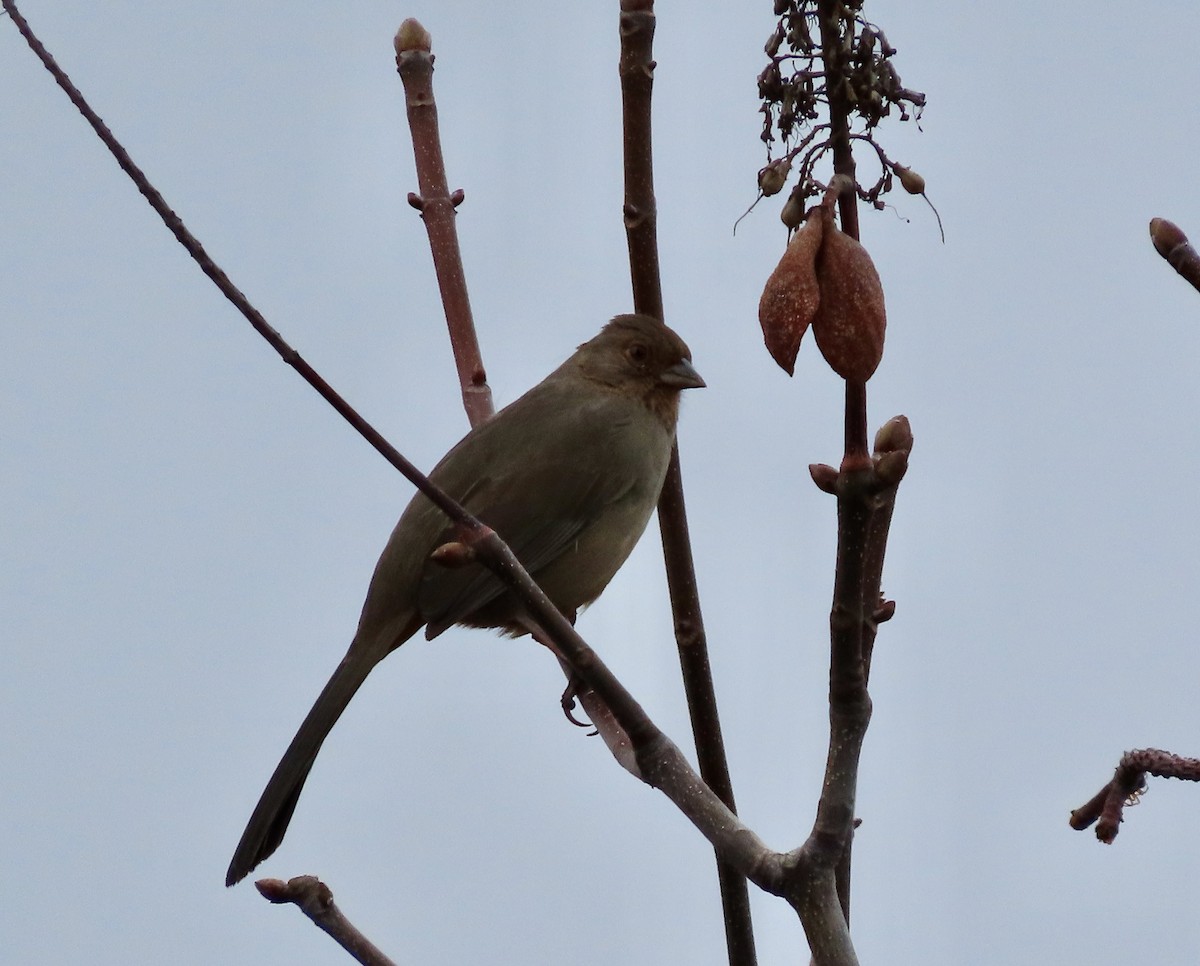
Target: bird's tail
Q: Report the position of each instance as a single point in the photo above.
(271, 816)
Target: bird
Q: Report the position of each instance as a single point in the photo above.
(568, 475)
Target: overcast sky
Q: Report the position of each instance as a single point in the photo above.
(189, 530)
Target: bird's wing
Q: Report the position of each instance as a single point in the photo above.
(540, 506)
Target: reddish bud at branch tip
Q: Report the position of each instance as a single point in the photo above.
(412, 36)
(791, 296)
(1166, 235)
(850, 320)
(273, 890)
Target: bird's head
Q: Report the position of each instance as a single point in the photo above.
(639, 355)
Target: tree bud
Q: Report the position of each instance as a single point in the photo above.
(412, 36)
(895, 434)
(1166, 236)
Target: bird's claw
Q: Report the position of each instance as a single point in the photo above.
(568, 703)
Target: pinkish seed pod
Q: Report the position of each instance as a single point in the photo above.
(791, 296)
(850, 320)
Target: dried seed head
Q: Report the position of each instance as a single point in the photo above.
(850, 320)
(791, 296)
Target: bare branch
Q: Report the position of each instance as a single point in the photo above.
(637, 22)
(437, 207)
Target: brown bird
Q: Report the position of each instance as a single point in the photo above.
(568, 475)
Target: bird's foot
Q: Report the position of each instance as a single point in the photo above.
(574, 686)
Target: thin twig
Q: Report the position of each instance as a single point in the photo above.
(315, 899)
(1107, 806)
(637, 22)
(437, 207)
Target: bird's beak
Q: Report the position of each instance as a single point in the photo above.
(682, 376)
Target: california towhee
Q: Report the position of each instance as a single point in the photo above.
(568, 475)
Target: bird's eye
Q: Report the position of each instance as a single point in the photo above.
(637, 353)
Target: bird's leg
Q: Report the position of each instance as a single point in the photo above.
(606, 725)
(575, 685)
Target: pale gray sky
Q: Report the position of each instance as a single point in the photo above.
(189, 530)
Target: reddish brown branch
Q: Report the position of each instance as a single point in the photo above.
(636, 66)
(1172, 244)
(315, 899)
(637, 22)
(437, 207)
(849, 703)
(1106, 808)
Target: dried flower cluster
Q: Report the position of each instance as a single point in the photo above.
(795, 92)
